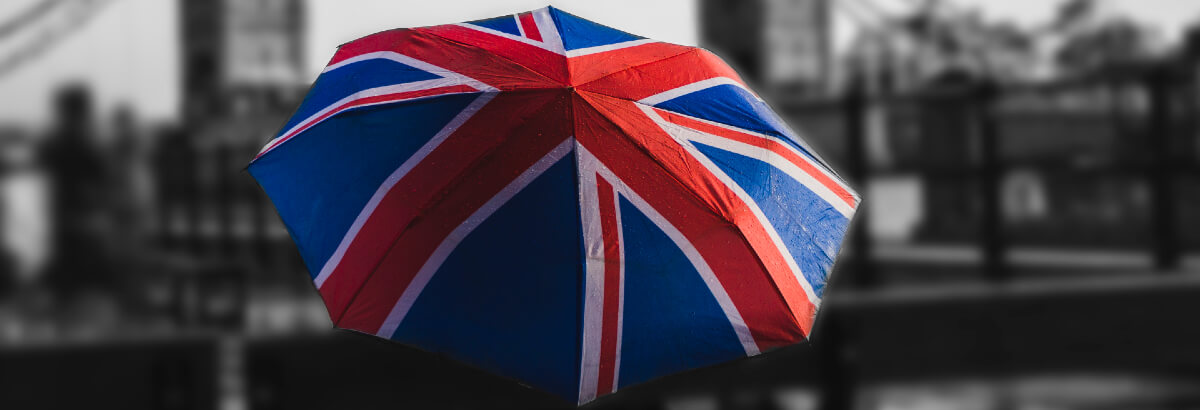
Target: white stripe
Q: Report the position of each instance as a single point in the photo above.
(449, 78)
(817, 166)
(400, 310)
(593, 313)
(312, 120)
(365, 214)
(549, 32)
(773, 159)
(620, 289)
(589, 162)
(772, 233)
(694, 87)
(415, 63)
(520, 28)
(593, 297)
(608, 47)
(761, 154)
(520, 39)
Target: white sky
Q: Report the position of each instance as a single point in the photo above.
(128, 53)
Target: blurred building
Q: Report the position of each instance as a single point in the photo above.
(1073, 150)
(784, 45)
(243, 75)
(1071, 159)
(241, 56)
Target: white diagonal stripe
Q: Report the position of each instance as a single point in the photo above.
(538, 44)
(412, 62)
(608, 47)
(762, 154)
(589, 163)
(460, 119)
(694, 87)
(410, 294)
(548, 30)
(745, 198)
(815, 165)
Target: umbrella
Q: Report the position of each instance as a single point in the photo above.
(555, 201)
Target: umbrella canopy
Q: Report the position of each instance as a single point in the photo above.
(556, 201)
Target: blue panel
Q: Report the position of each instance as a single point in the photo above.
(320, 180)
(578, 33)
(505, 24)
(506, 300)
(732, 105)
(351, 78)
(810, 227)
(672, 322)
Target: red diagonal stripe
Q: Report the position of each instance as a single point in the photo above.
(547, 63)
(529, 26)
(717, 197)
(764, 143)
(638, 82)
(378, 99)
(471, 61)
(589, 67)
(442, 168)
(446, 207)
(733, 260)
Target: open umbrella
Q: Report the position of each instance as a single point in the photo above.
(556, 201)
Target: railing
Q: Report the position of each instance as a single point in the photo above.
(966, 139)
(1110, 176)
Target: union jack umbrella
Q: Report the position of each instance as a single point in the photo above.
(556, 201)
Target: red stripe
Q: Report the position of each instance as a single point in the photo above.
(765, 143)
(378, 99)
(639, 82)
(716, 196)
(547, 63)
(736, 264)
(436, 210)
(664, 149)
(439, 172)
(612, 287)
(472, 61)
(530, 27)
(589, 67)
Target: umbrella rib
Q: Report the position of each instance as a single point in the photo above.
(833, 176)
(737, 228)
(685, 51)
(793, 138)
(514, 62)
(803, 146)
(642, 150)
(456, 182)
(284, 122)
(581, 268)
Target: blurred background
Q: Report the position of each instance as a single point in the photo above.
(1030, 169)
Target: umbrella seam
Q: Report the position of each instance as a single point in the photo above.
(456, 181)
(695, 197)
(518, 64)
(796, 137)
(685, 51)
(581, 268)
